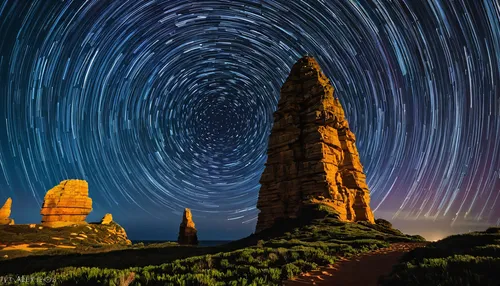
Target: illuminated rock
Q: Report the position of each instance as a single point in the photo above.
(187, 231)
(107, 219)
(311, 153)
(5, 213)
(66, 204)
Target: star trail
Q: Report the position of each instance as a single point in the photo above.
(163, 105)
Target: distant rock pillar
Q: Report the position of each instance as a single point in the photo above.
(187, 231)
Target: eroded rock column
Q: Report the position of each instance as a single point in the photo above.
(311, 153)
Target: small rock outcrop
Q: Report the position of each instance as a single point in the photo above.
(116, 233)
(107, 219)
(66, 204)
(187, 231)
(5, 213)
(312, 156)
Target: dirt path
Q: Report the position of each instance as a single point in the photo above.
(362, 270)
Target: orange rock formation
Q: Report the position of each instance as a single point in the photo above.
(5, 213)
(312, 154)
(66, 204)
(187, 231)
(107, 219)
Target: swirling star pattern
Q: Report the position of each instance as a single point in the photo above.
(168, 104)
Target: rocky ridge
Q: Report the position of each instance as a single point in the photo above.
(37, 237)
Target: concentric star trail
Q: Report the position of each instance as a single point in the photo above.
(168, 104)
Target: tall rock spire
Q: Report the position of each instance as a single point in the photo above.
(311, 153)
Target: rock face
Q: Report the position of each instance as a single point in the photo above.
(187, 231)
(66, 204)
(5, 213)
(312, 154)
(107, 219)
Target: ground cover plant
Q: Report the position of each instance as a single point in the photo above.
(466, 259)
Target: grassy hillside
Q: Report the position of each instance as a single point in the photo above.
(467, 259)
(267, 258)
(23, 240)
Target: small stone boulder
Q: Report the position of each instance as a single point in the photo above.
(5, 213)
(187, 231)
(107, 219)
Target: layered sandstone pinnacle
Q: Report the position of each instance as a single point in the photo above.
(5, 213)
(66, 204)
(187, 231)
(312, 156)
(107, 219)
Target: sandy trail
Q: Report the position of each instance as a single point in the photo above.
(361, 270)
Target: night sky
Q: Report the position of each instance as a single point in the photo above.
(162, 105)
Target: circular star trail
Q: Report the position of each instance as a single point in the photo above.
(168, 104)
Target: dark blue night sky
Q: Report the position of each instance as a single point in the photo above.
(162, 105)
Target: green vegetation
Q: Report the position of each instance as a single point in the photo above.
(467, 259)
(266, 258)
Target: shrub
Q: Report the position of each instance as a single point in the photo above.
(289, 270)
(383, 223)
(466, 259)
